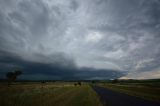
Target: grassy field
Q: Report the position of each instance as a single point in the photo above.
(48, 95)
(149, 91)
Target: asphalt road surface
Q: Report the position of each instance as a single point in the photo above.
(113, 98)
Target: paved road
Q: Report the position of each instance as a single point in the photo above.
(113, 98)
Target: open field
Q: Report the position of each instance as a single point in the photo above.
(55, 94)
(61, 93)
(148, 91)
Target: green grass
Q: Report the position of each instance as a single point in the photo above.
(139, 90)
(48, 95)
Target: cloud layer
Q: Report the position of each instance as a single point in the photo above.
(84, 39)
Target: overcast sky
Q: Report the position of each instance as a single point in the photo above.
(80, 39)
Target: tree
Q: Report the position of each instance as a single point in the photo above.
(79, 83)
(93, 81)
(75, 84)
(18, 72)
(12, 76)
(115, 81)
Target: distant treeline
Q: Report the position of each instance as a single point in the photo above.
(139, 81)
(92, 81)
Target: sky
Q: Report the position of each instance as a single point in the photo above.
(80, 39)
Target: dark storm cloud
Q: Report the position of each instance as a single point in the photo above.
(64, 70)
(50, 38)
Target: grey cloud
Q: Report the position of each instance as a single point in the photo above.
(74, 5)
(97, 34)
(141, 41)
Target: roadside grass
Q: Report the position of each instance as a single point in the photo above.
(146, 92)
(48, 95)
